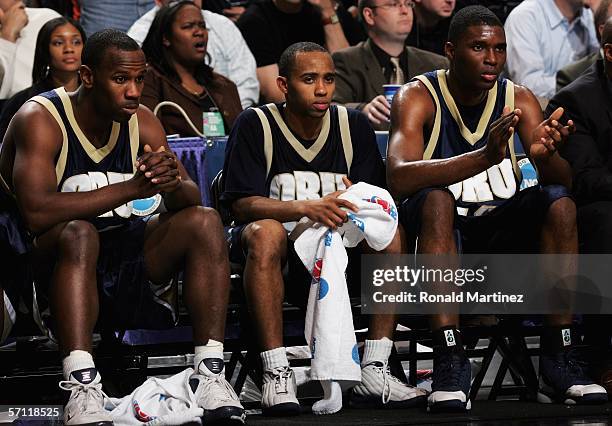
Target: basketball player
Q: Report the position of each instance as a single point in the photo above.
(451, 161)
(70, 160)
(296, 171)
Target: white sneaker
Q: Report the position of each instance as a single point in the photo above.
(278, 395)
(380, 389)
(215, 395)
(86, 403)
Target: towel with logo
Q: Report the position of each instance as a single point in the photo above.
(329, 321)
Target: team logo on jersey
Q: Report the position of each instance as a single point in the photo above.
(146, 206)
(93, 180)
(388, 207)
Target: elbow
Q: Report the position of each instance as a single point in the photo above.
(36, 222)
(398, 189)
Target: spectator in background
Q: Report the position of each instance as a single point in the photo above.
(588, 102)
(432, 18)
(19, 26)
(544, 36)
(384, 58)
(227, 52)
(175, 48)
(270, 26)
(572, 71)
(97, 15)
(57, 60)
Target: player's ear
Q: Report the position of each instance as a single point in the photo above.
(86, 75)
(281, 82)
(449, 50)
(608, 52)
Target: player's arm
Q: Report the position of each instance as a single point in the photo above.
(38, 141)
(161, 166)
(541, 139)
(327, 210)
(412, 112)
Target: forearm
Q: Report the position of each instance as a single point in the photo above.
(407, 177)
(250, 209)
(44, 211)
(554, 171)
(186, 195)
(334, 37)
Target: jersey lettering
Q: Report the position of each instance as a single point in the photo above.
(497, 181)
(93, 180)
(305, 185)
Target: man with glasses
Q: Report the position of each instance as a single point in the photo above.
(362, 70)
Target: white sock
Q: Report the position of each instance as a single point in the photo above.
(274, 358)
(332, 398)
(77, 360)
(212, 349)
(376, 350)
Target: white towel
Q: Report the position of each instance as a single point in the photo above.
(329, 321)
(158, 402)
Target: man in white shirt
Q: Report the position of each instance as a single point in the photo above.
(543, 36)
(229, 53)
(19, 26)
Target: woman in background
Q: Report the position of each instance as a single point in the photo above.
(175, 48)
(57, 60)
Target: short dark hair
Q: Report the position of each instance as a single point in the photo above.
(469, 17)
(601, 16)
(287, 59)
(99, 43)
(161, 57)
(42, 56)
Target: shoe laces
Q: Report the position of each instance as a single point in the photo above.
(218, 383)
(90, 397)
(281, 376)
(383, 368)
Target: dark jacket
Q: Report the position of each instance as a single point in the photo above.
(359, 77)
(588, 101)
(572, 71)
(159, 88)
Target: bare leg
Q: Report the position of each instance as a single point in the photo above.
(192, 238)
(74, 296)
(437, 237)
(560, 235)
(383, 325)
(266, 242)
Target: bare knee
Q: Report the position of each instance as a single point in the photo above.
(561, 218)
(201, 224)
(78, 241)
(266, 242)
(438, 216)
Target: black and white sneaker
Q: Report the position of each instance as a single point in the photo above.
(452, 375)
(563, 379)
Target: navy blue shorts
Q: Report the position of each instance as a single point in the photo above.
(512, 227)
(297, 278)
